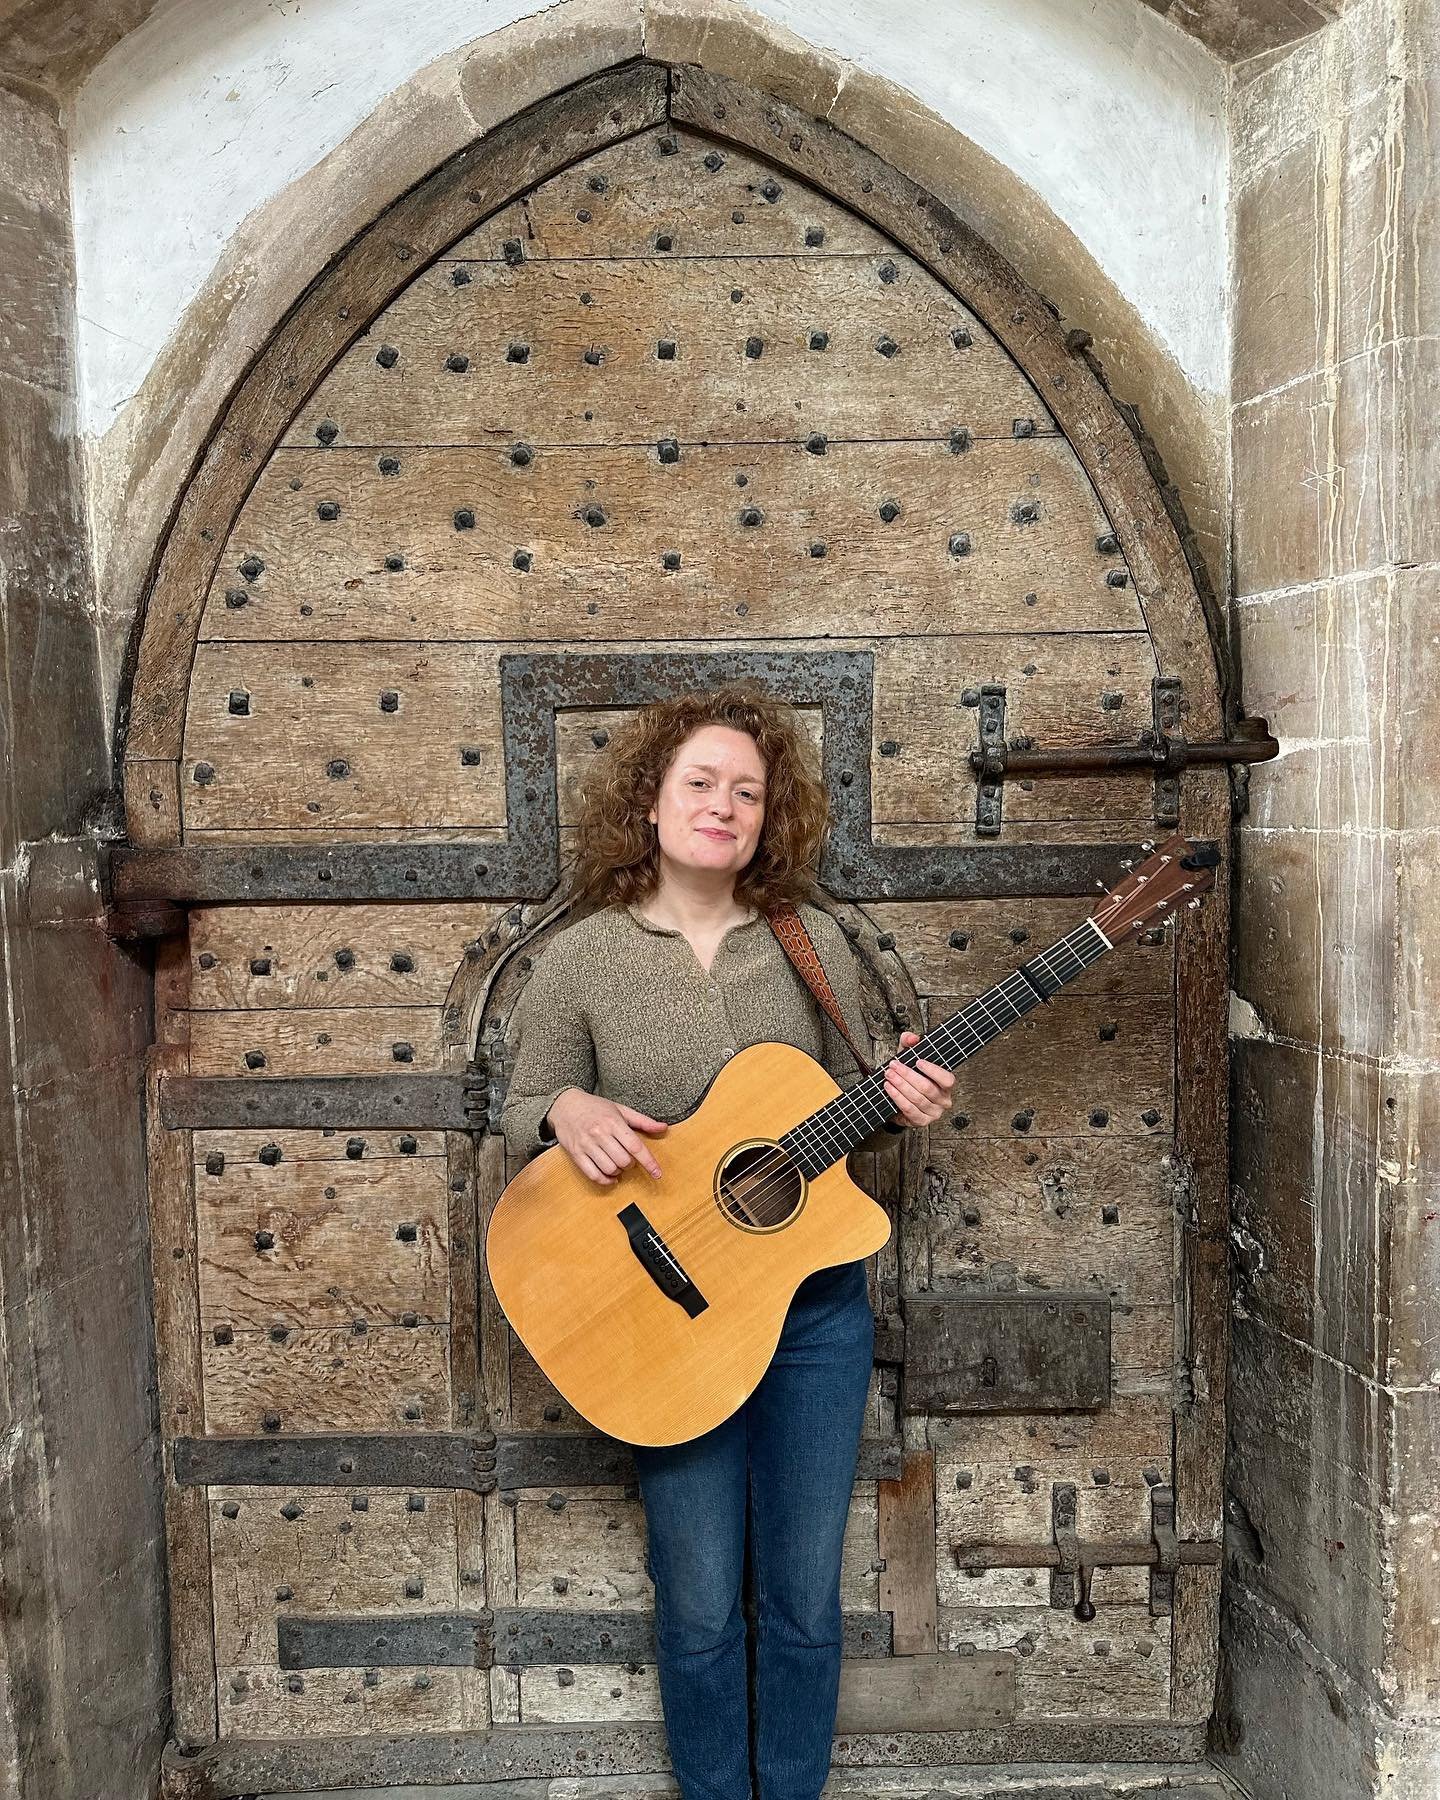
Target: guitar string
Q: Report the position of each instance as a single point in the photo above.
(810, 1138)
(778, 1168)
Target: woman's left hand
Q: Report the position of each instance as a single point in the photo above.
(924, 1093)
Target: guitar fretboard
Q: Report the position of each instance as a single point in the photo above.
(820, 1141)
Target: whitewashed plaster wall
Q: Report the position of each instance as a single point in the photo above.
(1115, 118)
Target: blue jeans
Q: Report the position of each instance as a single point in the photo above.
(789, 1452)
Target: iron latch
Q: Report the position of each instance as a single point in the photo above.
(1072, 1561)
(1163, 748)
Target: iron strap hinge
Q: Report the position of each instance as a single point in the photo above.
(449, 1101)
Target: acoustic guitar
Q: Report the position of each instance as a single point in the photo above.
(655, 1307)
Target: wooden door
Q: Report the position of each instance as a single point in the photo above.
(708, 391)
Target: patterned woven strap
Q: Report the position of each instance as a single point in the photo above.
(795, 941)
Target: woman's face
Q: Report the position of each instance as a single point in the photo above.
(711, 803)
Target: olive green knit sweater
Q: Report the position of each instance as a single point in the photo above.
(621, 1007)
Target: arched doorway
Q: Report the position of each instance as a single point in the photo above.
(659, 383)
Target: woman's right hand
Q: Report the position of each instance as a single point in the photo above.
(600, 1136)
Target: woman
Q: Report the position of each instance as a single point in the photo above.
(704, 814)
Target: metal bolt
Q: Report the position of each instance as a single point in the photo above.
(252, 568)
(960, 337)
(521, 560)
(817, 549)
(665, 349)
(816, 444)
(457, 363)
(394, 563)
(518, 353)
(329, 510)
(464, 519)
(819, 340)
(1023, 428)
(1109, 545)
(236, 598)
(387, 356)
(668, 450)
(460, 276)
(402, 1052)
(670, 559)
(814, 236)
(753, 347)
(594, 357)
(1116, 578)
(264, 1240)
(889, 511)
(513, 251)
(752, 515)
(886, 346)
(959, 544)
(407, 1233)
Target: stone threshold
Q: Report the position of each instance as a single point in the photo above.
(1013, 1781)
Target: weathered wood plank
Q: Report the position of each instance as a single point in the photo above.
(320, 1379)
(675, 183)
(393, 564)
(271, 957)
(297, 1244)
(906, 1538)
(265, 1702)
(340, 1040)
(1115, 1668)
(519, 329)
(1050, 1213)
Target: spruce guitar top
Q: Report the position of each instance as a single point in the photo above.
(654, 1307)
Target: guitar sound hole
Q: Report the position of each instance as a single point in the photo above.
(759, 1187)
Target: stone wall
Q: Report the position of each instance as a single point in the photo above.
(1332, 1634)
(83, 1679)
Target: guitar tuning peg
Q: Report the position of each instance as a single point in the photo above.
(1127, 862)
(1147, 844)
(1192, 904)
(1101, 885)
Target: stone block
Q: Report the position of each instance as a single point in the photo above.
(1310, 1212)
(1293, 1724)
(1308, 1447)
(1316, 936)
(733, 40)
(1324, 666)
(1277, 324)
(534, 57)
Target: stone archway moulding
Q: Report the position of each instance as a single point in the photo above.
(346, 297)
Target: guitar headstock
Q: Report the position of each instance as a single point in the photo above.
(1176, 874)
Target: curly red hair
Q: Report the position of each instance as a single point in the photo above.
(617, 855)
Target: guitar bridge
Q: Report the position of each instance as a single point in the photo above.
(659, 1262)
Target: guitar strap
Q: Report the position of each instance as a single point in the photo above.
(796, 942)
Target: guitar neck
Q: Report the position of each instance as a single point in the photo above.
(827, 1136)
